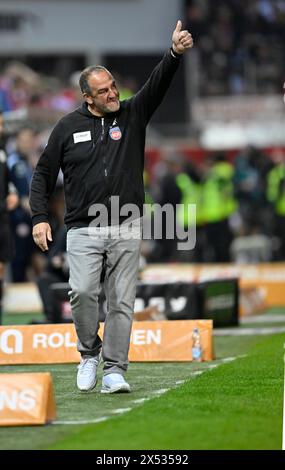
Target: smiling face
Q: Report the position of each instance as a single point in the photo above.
(105, 95)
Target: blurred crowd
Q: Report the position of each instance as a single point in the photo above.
(26, 95)
(240, 207)
(241, 45)
(240, 202)
(39, 98)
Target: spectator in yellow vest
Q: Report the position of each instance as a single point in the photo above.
(276, 196)
(219, 203)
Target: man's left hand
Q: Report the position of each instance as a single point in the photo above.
(181, 40)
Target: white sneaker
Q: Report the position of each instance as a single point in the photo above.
(86, 375)
(114, 383)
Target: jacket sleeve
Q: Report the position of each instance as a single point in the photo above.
(45, 176)
(149, 97)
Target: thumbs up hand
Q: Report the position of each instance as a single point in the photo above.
(181, 40)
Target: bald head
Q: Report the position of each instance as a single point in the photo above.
(85, 74)
(99, 90)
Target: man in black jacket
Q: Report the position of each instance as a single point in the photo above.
(100, 149)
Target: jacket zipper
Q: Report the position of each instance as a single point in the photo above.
(104, 160)
(102, 141)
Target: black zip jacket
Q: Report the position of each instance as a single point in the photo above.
(100, 157)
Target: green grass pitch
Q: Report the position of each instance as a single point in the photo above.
(236, 405)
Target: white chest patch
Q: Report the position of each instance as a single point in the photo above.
(81, 136)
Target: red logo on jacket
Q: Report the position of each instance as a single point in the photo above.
(115, 133)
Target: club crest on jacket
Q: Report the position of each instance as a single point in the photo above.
(115, 133)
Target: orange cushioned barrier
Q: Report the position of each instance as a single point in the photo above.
(150, 341)
(26, 399)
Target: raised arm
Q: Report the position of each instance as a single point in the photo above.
(151, 94)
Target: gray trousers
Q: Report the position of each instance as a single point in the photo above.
(86, 250)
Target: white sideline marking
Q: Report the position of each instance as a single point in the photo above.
(230, 359)
(161, 391)
(120, 410)
(87, 421)
(198, 372)
(249, 331)
(142, 400)
(275, 318)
